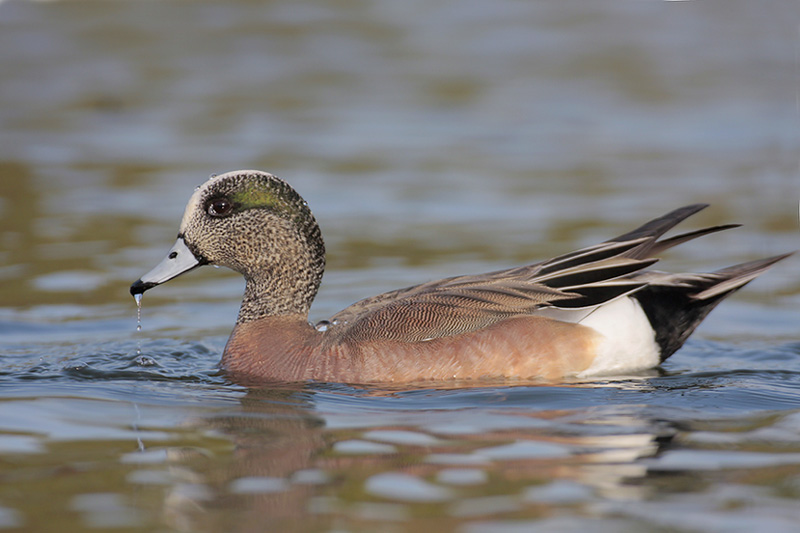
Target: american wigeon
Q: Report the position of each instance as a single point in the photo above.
(592, 312)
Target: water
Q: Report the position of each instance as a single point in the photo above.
(430, 139)
(138, 299)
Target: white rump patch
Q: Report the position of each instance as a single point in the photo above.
(629, 342)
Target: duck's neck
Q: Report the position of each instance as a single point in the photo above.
(284, 277)
(275, 297)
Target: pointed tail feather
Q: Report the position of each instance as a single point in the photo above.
(675, 304)
(659, 226)
(660, 246)
(735, 277)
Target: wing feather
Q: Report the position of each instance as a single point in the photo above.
(582, 279)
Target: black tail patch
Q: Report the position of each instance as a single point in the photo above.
(677, 303)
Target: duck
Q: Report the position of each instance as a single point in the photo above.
(593, 312)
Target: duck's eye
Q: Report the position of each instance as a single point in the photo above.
(219, 207)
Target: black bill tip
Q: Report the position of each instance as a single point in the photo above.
(140, 286)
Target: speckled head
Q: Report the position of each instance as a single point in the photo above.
(244, 190)
(255, 224)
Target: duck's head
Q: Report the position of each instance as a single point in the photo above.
(255, 224)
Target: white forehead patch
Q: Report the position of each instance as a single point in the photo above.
(194, 203)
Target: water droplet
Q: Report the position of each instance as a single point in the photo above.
(335, 322)
(138, 298)
(322, 325)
